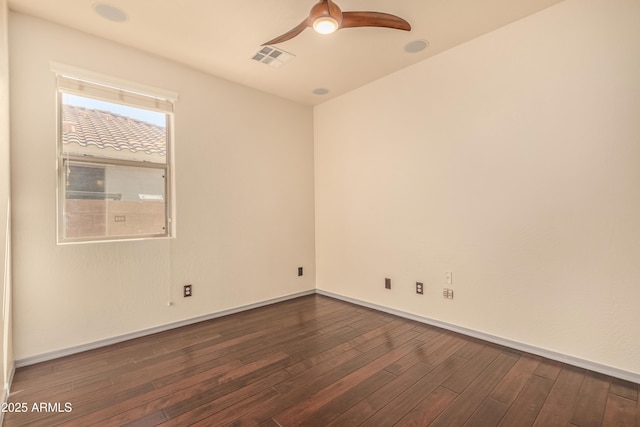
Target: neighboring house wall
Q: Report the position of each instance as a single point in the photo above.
(113, 218)
(513, 161)
(244, 194)
(128, 202)
(6, 351)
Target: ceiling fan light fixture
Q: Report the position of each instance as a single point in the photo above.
(325, 25)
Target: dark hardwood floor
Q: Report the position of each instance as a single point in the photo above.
(315, 361)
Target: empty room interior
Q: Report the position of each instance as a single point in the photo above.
(429, 218)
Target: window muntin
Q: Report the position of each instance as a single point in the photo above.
(113, 160)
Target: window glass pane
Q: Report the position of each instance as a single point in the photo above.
(106, 200)
(104, 129)
(113, 163)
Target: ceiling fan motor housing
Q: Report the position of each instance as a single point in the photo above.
(325, 9)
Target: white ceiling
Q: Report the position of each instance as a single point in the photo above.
(219, 37)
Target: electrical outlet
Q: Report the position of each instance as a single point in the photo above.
(187, 291)
(299, 271)
(448, 277)
(447, 293)
(419, 288)
(387, 283)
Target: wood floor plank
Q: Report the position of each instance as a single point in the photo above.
(525, 409)
(376, 333)
(341, 403)
(168, 391)
(592, 401)
(476, 393)
(202, 370)
(302, 388)
(407, 400)
(324, 356)
(549, 369)
(402, 329)
(314, 361)
(427, 333)
(420, 355)
(511, 386)
(296, 413)
(228, 384)
(623, 388)
(305, 349)
(561, 402)
(441, 351)
(212, 414)
(173, 402)
(489, 413)
(150, 420)
(377, 400)
(351, 359)
(464, 376)
(429, 409)
(620, 412)
(229, 416)
(470, 349)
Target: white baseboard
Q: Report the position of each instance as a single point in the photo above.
(120, 338)
(570, 360)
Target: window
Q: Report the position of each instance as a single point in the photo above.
(114, 168)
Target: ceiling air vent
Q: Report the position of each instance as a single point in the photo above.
(273, 57)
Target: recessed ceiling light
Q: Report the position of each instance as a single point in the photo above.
(416, 46)
(110, 12)
(320, 91)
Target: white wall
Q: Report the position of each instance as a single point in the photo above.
(514, 162)
(245, 203)
(6, 351)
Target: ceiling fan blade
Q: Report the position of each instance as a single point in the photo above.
(373, 19)
(289, 34)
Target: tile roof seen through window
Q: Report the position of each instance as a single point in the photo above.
(102, 129)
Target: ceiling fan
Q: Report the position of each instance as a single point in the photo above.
(326, 17)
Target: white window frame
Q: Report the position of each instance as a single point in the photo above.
(77, 81)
